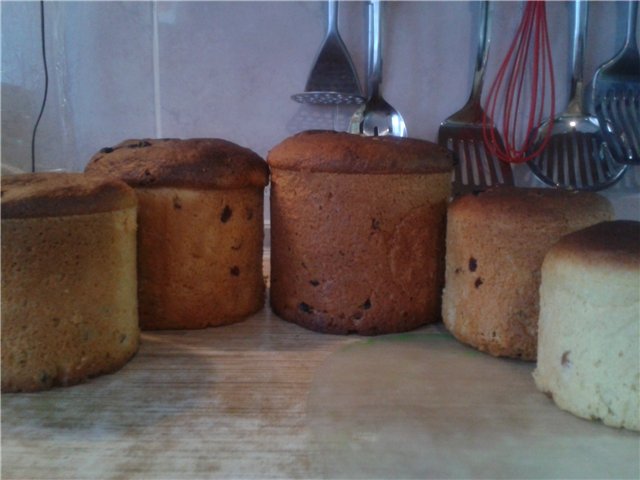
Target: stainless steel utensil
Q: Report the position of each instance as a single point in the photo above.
(376, 117)
(333, 79)
(462, 133)
(576, 155)
(615, 96)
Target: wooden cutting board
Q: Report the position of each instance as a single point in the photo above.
(267, 399)
(425, 406)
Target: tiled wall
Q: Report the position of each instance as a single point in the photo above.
(227, 69)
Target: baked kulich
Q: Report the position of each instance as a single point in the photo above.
(200, 229)
(496, 242)
(357, 231)
(589, 330)
(69, 304)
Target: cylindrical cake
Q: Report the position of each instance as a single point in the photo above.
(496, 242)
(200, 229)
(357, 231)
(69, 307)
(589, 329)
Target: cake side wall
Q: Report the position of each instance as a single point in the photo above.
(357, 253)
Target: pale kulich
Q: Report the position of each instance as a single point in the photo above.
(589, 332)
(69, 307)
(357, 231)
(496, 242)
(200, 228)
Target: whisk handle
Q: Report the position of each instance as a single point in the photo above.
(581, 14)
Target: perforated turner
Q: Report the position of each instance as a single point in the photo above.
(476, 168)
(333, 79)
(616, 96)
(576, 156)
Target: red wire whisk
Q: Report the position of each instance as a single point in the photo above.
(523, 89)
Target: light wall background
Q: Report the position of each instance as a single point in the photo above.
(121, 70)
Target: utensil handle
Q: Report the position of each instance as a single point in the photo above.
(483, 53)
(632, 21)
(332, 16)
(581, 13)
(375, 48)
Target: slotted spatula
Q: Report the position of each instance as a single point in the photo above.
(333, 79)
(576, 156)
(616, 96)
(462, 133)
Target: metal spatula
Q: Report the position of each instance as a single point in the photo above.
(462, 133)
(576, 155)
(616, 96)
(333, 79)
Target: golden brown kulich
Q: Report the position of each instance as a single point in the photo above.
(69, 304)
(496, 242)
(357, 231)
(200, 229)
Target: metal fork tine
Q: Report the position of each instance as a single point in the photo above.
(455, 175)
(563, 164)
(466, 176)
(579, 153)
(600, 166)
(493, 165)
(586, 152)
(484, 173)
(547, 167)
(590, 174)
(632, 118)
(572, 153)
(551, 166)
(468, 164)
(472, 166)
(611, 109)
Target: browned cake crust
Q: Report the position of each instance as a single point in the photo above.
(339, 152)
(30, 195)
(496, 242)
(357, 252)
(69, 305)
(198, 163)
(200, 229)
(614, 245)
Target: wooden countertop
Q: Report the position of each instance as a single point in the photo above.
(267, 399)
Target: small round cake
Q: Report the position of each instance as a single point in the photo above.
(589, 330)
(69, 306)
(357, 231)
(496, 242)
(200, 229)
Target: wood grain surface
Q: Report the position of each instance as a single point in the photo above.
(234, 402)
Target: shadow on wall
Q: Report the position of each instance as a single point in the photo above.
(19, 111)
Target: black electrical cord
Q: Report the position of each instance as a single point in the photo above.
(46, 88)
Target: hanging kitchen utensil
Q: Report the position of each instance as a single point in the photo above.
(333, 79)
(524, 88)
(573, 153)
(462, 133)
(376, 117)
(615, 96)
